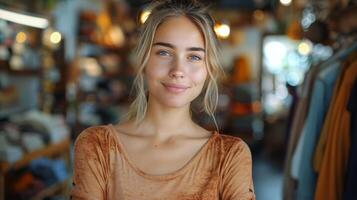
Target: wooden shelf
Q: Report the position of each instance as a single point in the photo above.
(60, 148)
(25, 72)
(4, 67)
(7, 111)
(51, 190)
(49, 151)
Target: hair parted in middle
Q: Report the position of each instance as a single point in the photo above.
(160, 11)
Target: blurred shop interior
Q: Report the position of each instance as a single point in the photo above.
(289, 91)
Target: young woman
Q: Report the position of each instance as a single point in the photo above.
(159, 152)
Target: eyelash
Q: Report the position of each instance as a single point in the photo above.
(196, 58)
(163, 53)
(190, 57)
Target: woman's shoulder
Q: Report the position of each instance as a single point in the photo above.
(232, 144)
(234, 153)
(95, 135)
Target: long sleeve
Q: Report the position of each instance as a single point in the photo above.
(237, 183)
(90, 166)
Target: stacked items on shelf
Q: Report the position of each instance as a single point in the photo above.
(41, 178)
(102, 73)
(32, 63)
(101, 88)
(27, 141)
(32, 77)
(245, 117)
(54, 72)
(20, 68)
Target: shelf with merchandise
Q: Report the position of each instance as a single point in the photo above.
(4, 67)
(61, 148)
(32, 77)
(103, 70)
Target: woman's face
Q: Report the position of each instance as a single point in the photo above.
(176, 70)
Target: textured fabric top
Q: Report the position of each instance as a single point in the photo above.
(222, 169)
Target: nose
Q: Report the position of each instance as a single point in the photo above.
(177, 70)
(176, 74)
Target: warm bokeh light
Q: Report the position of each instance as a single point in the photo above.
(91, 67)
(305, 48)
(21, 37)
(55, 37)
(222, 30)
(144, 16)
(286, 2)
(258, 15)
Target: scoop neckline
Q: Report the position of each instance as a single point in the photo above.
(165, 176)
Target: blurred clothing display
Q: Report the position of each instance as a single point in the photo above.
(9, 153)
(316, 162)
(52, 127)
(320, 100)
(40, 174)
(333, 169)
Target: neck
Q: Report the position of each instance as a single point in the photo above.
(165, 122)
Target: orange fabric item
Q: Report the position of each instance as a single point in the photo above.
(24, 182)
(238, 108)
(320, 147)
(334, 162)
(241, 71)
(222, 169)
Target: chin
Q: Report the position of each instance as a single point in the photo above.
(174, 103)
(174, 100)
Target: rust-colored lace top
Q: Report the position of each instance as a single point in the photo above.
(222, 169)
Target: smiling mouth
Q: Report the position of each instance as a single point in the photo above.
(175, 88)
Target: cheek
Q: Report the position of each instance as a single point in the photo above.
(199, 77)
(155, 69)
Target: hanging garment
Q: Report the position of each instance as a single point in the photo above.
(320, 147)
(349, 192)
(302, 169)
(322, 138)
(300, 116)
(297, 124)
(334, 161)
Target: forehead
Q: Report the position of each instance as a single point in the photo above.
(179, 31)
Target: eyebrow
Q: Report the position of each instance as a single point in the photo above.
(173, 47)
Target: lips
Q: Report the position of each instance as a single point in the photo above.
(175, 88)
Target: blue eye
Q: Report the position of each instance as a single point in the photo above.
(195, 58)
(163, 53)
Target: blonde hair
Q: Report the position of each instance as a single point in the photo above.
(160, 11)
